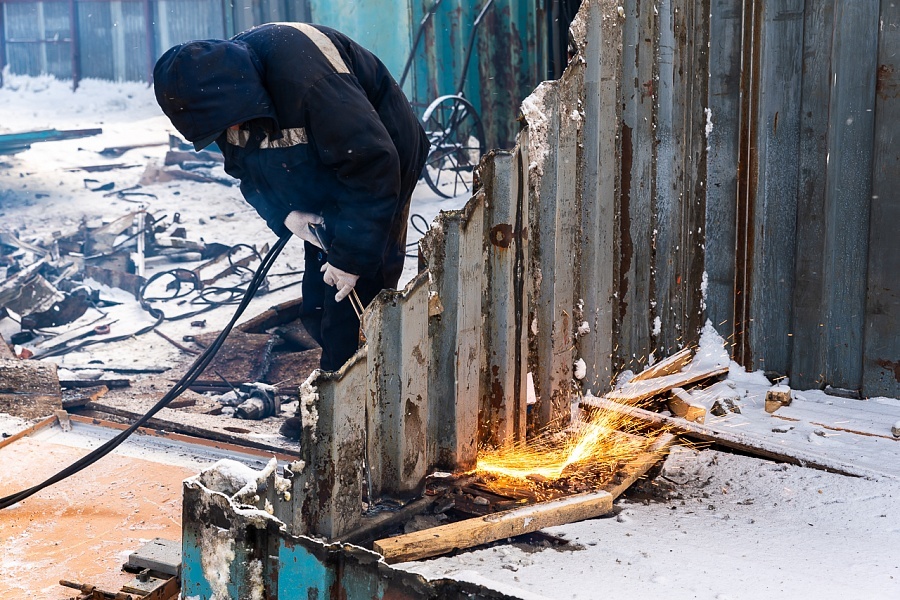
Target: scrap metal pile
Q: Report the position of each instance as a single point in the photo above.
(72, 295)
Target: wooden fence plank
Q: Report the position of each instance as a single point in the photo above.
(848, 188)
(881, 366)
(602, 119)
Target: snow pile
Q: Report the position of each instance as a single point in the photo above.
(537, 112)
(229, 477)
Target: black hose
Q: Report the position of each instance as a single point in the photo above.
(180, 387)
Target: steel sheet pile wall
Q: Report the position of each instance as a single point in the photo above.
(697, 159)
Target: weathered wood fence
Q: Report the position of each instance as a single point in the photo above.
(694, 161)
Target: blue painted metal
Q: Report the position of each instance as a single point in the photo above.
(238, 552)
(385, 27)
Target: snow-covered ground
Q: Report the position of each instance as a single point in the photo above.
(727, 526)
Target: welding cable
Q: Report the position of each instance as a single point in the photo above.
(422, 231)
(180, 387)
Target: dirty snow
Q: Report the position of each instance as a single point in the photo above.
(42, 192)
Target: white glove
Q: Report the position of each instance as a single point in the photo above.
(343, 281)
(299, 222)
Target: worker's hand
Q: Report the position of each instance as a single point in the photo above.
(299, 222)
(343, 281)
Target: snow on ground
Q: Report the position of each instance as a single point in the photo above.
(735, 528)
(42, 192)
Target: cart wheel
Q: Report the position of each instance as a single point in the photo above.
(457, 145)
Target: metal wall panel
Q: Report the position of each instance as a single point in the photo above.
(881, 361)
(808, 352)
(848, 192)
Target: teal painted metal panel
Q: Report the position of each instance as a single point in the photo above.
(301, 572)
(383, 26)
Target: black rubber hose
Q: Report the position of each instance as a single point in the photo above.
(183, 384)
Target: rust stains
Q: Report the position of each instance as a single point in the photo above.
(886, 84)
(627, 246)
(888, 365)
(502, 235)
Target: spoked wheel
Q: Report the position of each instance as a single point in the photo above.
(457, 145)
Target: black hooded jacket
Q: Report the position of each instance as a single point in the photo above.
(326, 130)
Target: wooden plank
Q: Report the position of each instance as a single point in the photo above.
(682, 405)
(774, 214)
(328, 489)
(599, 173)
(643, 390)
(667, 366)
(809, 288)
(496, 526)
(735, 440)
(881, 362)
(638, 467)
(636, 193)
(380, 523)
(724, 101)
(527, 519)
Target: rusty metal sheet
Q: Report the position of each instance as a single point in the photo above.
(502, 410)
(79, 529)
(327, 491)
(601, 45)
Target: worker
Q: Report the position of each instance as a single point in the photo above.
(319, 133)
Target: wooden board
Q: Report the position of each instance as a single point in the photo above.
(668, 366)
(642, 390)
(736, 440)
(510, 523)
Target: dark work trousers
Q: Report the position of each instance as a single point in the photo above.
(334, 324)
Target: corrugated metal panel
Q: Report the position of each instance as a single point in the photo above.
(179, 21)
(383, 26)
(881, 361)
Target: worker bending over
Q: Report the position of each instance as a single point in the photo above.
(318, 132)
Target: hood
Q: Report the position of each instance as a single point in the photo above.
(205, 87)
